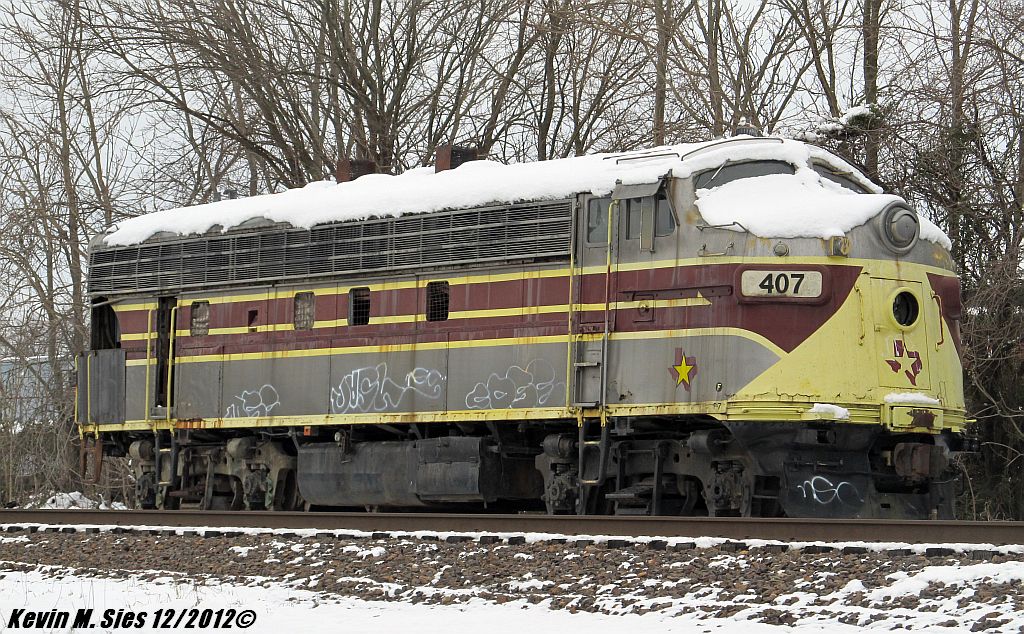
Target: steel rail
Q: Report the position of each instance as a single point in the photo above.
(781, 529)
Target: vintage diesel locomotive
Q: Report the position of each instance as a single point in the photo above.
(745, 327)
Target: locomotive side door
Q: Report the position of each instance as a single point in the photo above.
(901, 334)
(600, 247)
(593, 263)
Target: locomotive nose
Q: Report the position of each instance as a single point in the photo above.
(899, 227)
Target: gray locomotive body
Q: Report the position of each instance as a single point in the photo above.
(590, 352)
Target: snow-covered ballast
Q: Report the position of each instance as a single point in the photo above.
(745, 326)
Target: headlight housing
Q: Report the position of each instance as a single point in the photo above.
(899, 227)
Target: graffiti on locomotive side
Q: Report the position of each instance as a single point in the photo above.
(823, 491)
(517, 387)
(370, 389)
(254, 403)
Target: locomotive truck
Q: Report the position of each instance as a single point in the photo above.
(744, 327)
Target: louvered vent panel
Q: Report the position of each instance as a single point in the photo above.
(491, 234)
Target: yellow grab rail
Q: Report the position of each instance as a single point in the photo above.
(149, 353)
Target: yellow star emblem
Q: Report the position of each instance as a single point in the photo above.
(683, 371)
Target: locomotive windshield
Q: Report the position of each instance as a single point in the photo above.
(735, 171)
(840, 178)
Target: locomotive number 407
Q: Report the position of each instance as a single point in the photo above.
(781, 283)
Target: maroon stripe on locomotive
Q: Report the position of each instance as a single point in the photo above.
(786, 325)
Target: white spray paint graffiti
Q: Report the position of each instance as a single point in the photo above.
(370, 389)
(255, 403)
(517, 387)
(824, 491)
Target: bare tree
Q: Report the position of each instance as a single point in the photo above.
(62, 151)
(728, 69)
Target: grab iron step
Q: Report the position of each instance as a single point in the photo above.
(633, 510)
(592, 473)
(638, 492)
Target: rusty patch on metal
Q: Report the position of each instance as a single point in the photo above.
(923, 417)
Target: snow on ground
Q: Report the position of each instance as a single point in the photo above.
(905, 584)
(798, 205)
(73, 500)
(529, 538)
(279, 608)
(318, 582)
(532, 538)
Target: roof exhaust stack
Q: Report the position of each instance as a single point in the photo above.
(448, 157)
(348, 169)
(745, 127)
(225, 194)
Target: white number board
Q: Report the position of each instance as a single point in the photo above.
(781, 283)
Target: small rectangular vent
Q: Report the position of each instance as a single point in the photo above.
(199, 323)
(304, 311)
(359, 306)
(437, 301)
(522, 231)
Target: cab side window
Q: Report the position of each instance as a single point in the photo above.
(597, 220)
(664, 221)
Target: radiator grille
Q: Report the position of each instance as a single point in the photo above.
(483, 234)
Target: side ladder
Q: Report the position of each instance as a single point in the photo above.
(592, 473)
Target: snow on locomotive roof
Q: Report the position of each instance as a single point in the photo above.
(781, 205)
